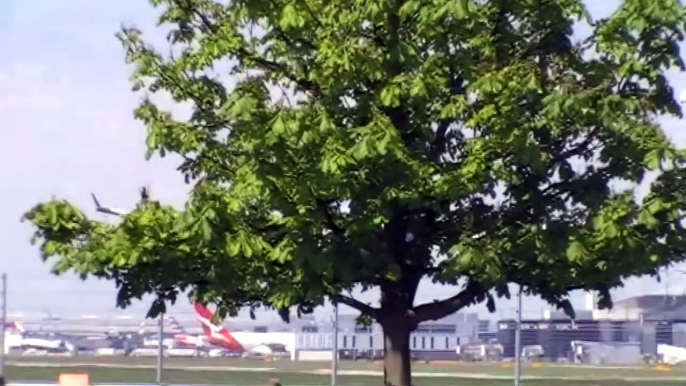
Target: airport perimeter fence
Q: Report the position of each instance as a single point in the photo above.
(545, 342)
(545, 335)
(552, 340)
(617, 337)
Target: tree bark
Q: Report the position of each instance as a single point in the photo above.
(397, 364)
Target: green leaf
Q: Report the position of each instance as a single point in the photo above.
(382, 144)
(279, 126)
(652, 159)
(418, 88)
(390, 95)
(361, 150)
(576, 251)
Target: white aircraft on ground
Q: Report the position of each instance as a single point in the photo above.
(217, 335)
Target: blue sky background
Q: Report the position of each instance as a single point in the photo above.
(66, 129)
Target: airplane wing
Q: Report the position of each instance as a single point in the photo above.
(106, 210)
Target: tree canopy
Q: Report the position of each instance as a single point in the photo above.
(376, 143)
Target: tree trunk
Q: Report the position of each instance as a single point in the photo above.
(396, 362)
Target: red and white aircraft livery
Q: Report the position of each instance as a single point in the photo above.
(175, 338)
(180, 335)
(13, 335)
(219, 336)
(216, 335)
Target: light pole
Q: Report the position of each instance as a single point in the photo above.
(160, 349)
(334, 361)
(3, 326)
(518, 341)
(160, 339)
(683, 272)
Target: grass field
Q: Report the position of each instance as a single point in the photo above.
(253, 372)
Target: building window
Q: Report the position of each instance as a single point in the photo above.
(310, 329)
(260, 329)
(447, 342)
(436, 329)
(362, 329)
(371, 342)
(345, 341)
(432, 342)
(354, 340)
(423, 342)
(444, 329)
(414, 342)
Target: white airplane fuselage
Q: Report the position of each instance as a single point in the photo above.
(672, 354)
(251, 340)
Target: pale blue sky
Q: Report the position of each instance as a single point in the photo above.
(67, 129)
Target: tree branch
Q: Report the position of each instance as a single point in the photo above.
(328, 216)
(243, 54)
(442, 308)
(366, 309)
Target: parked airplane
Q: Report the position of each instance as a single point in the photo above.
(13, 336)
(184, 339)
(151, 339)
(16, 337)
(260, 343)
(49, 342)
(671, 354)
(216, 335)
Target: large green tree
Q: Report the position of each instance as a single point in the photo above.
(374, 143)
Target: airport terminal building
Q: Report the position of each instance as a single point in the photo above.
(646, 321)
(440, 336)
(641, 322)
(438, 339)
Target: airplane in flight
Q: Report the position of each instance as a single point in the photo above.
(105, 209)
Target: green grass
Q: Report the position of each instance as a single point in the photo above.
(255, 378)
(217, 371)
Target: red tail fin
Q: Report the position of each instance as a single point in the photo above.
(216, 334)
(15, 326)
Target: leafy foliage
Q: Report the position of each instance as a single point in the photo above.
(380, 142)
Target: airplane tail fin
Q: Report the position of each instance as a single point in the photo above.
(176, 328)
(216, 334)
(95, 200)
(205, 317)
(16, 326)
(107, 210)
